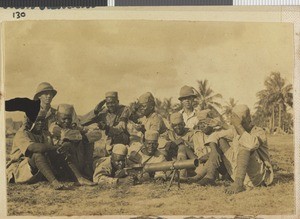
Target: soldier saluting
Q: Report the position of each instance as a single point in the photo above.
(112, 119)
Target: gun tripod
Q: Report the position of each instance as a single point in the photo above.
(175, 172)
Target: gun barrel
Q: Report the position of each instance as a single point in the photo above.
(171, 165)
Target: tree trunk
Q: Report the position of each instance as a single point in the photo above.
(273, 118)
(270, 124)
(279, 116)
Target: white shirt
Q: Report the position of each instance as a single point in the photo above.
(189, 120)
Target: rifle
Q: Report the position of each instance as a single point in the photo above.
(173, 166)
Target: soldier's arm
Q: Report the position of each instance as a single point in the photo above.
(39, 148)
(122, 124)
(156, 124)
(254, 139)
(103, 176)
(216, 136)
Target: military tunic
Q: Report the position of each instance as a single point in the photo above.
(259, 169)
(19, 169)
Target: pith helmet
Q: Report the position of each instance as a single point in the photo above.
(186, 91)
(44, 86)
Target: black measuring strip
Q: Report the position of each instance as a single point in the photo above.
(52, 4)
(171, 2)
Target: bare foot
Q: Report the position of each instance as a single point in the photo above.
(234, 188)
(85, 182)
(56, 185)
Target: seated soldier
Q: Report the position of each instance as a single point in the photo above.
(246, 158)
(29, 155)
(189, 144)
(72, 141)
(148, 153)
(207, 124)
(112, 120)
(110, 170)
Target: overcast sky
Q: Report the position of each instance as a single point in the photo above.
(84, 59)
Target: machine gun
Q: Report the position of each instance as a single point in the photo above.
(173, 166)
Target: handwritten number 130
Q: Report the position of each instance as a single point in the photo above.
(18, 15)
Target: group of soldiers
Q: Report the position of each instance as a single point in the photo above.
(100, 147)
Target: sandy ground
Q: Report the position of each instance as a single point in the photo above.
(154, 199)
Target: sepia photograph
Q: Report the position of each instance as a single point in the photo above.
(149, 117)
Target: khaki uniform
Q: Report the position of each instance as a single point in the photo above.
(142, 158)
(194, 140)
(259, 170)
(50, 118)
(190, 120)
(19, 169)
(81, 151)
(116, 133)
(155, 122)
(103, 172)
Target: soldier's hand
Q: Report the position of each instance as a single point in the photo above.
(55, 130)
(159, 180)
(102, 125)
(65, 147)
(99, 107)
(235, 120)
(203, 158)
(179, 141)
(127, 180)
(120, 173)
(140, 128)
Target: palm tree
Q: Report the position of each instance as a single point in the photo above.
(229, 106)
(276, 97)
(165, 107)
(206, 97)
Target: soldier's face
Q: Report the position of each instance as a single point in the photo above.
(64, 120)
(151, 146)
(46, 97)
(178, 128)
(246, 122)
(206, 129)
(187, 102)
(146, 108)
(112, 104)
(118, 161)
